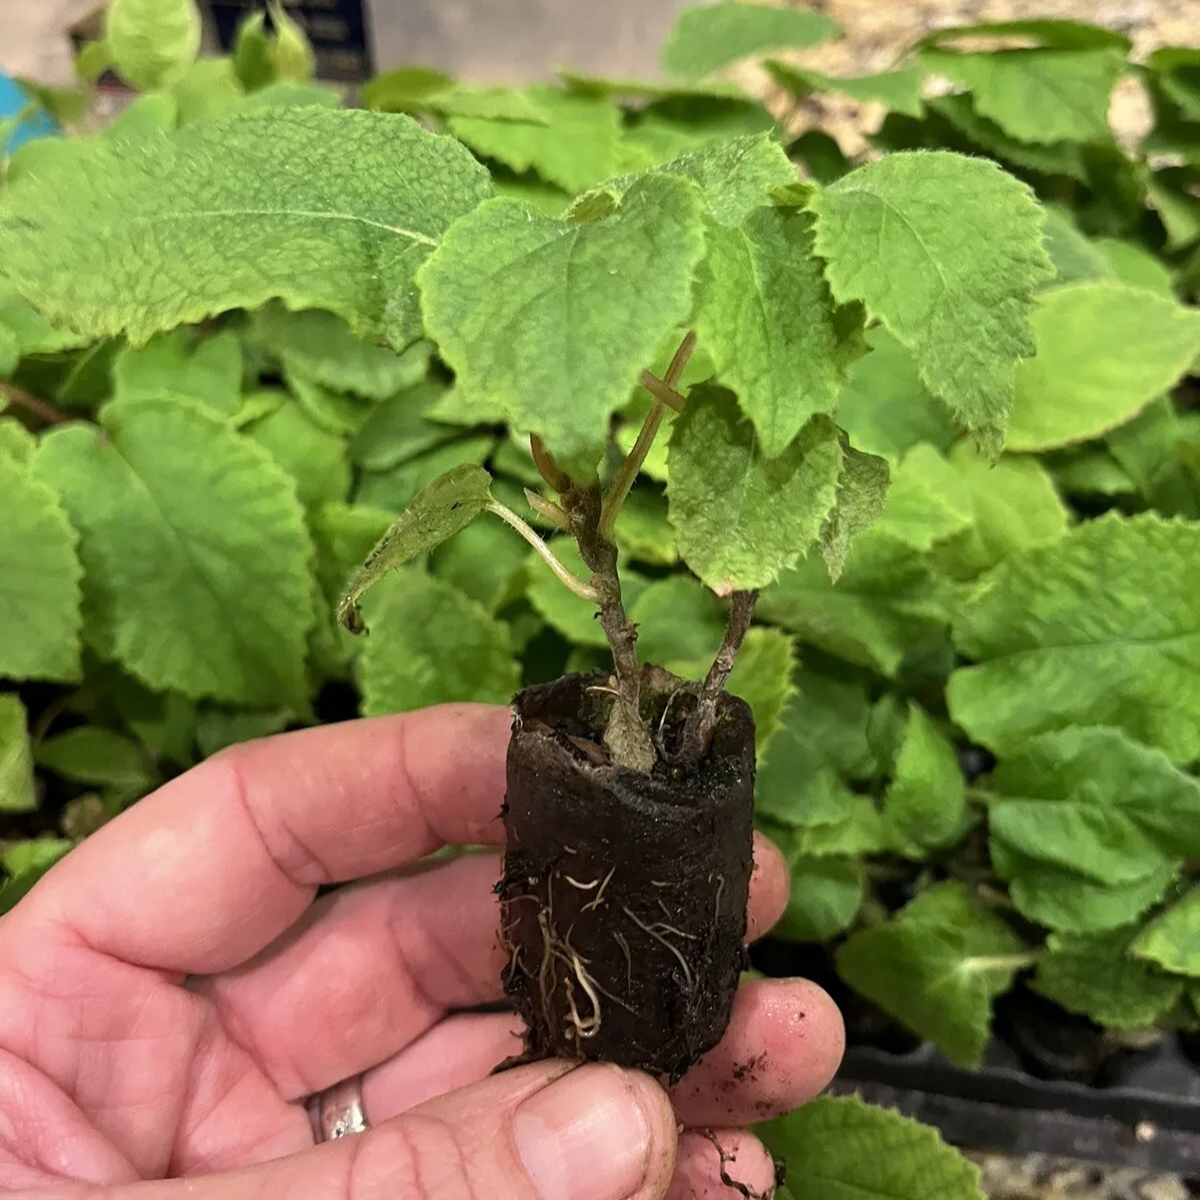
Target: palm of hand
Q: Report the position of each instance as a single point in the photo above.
(171, 993)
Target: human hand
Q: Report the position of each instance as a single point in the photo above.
(171, 993)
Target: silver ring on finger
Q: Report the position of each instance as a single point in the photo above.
(338, 1110)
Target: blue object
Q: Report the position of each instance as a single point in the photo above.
(13, 100)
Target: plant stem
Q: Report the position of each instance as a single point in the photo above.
(620, 486)
(700, 725)
(530, 535)
(548, 509)
(40, 408)
(547, 468)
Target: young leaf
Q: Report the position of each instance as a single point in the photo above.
(196, 557)
(898, 91)
(1093, 802)
(887, 604)
(321, 347)
(291, 52)
(762, 676)
(40, 577)
(1171, 940)
(861, 496)
(433, 645)
(936, 966)
(740, 517)
(1084, 382)
(825, 896)
(766, 317)
(711, 36)
(562, 343)
(437, 512)
(95, 756)
(17, 790)
(925, 805)
(234, 217)
(1047, 659)
(152, 42)
(571, 141)
(210, 372)
(884, 406)
(840, 1147)
(946, 252)
(1094, 975)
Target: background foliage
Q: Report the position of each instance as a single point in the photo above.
(978, 746)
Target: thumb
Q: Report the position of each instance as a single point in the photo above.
(548, 1131)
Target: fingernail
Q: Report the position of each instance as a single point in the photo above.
(586, 1136)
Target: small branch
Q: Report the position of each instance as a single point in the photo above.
(661, 391)
(548, 509)
(645, 439)
(700, 725)
(547, 468)
(507, 515)
(40, 408)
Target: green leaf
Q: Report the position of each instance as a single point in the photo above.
(898, 91)
(825, 723)
(291, 52)
(210, 85)
(196, 559)
(839, 1148)
(335, 412)
(935, 967)
(35, 335)
(1076, 258)
(861, 496)
(1084, 382)
(437, 512)
(1070, 902)
(399, 429)
(17, 790)
(98, 757)
(808, 800)
(884, 406)
(235, 218)
(711, 36)
(210, 371)
(1093, 975)
(740, 517)
(1051, 635)
(859, 832)
(887, 605)
(1050, 33)
(152, 42)
(680, 125)
(520, 346)
(43, 852)
(926, 802)
(679, 621)
(252, 51)
(17, 886)
(39, 580)
(762, 676)
(1149, 450)
(313, 457)
(574, 142)
(216, 730)
(824, 899)
(946, 252)
(642, 530)
(344, 535)
(395, 488)
(766, 317)
(485, 561)
(1136, 267)
(1038, 95)
(322, 348)
(1014, 506)
(927, 503)
(1172, 940)
(1093, 802)
(430, 644)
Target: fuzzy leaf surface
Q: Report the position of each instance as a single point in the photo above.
(152, 42)
(862, 492)
(926, 802)
(559, 344)
(318, 208)
(17, 791)
(1051, 637)
(711, 36)
(766, 317)
(1172, 940)
(741, 518)
(840, 1148)
(1084, 382)
(182, 518)
(437, 512)
(946, 252)
(431, 644)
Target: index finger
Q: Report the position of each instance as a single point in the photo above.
(205, 872)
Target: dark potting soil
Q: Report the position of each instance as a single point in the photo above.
(623, 902)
